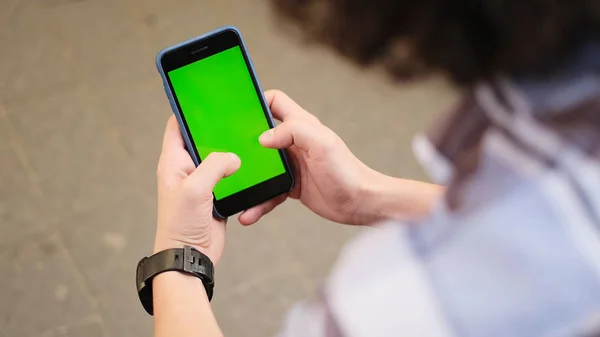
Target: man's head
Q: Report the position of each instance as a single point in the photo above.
(469, 40)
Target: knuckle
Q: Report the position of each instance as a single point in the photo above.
(330, 140)
(296, 129)
(212, 157)
(313, 118)
(195, 192)
(164, 181)
(285, 128)
(276, 92)
(159, 171)
(209, 157)
(217, 161)
(187, 188)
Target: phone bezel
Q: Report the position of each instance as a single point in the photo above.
(195, 50)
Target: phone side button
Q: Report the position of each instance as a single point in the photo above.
(173, 107)
(171, 103)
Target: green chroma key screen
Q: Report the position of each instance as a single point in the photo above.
(223, 113)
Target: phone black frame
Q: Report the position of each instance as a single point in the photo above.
(196, 50)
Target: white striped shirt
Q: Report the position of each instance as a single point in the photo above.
(513, 249)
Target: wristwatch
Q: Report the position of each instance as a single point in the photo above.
(186, 260)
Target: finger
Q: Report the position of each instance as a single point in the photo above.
(173, 147)
(174, 158)
(215, 167)
(172, 138)
(283, 107)
(252, 215)
(299, 133)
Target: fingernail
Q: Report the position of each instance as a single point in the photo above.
(234, 157)
(266, 135)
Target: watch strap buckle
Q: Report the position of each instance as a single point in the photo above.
(191, 262)
(188, 259)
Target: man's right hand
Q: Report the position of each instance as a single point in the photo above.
(330, 180)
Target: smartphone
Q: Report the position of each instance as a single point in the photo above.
(217, 99)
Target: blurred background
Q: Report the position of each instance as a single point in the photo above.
(82, 112)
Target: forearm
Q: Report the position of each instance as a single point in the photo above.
(388, 197)
(181, 307)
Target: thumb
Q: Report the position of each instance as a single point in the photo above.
(294, 132)
(213, 168)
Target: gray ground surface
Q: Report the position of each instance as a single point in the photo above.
(82, 113)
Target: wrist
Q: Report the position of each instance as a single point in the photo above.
(386, 197)
(162, 243)
(177, 313)
(372, 190)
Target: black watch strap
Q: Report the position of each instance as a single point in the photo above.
(186, 259)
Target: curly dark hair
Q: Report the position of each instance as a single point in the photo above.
(468, 40)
